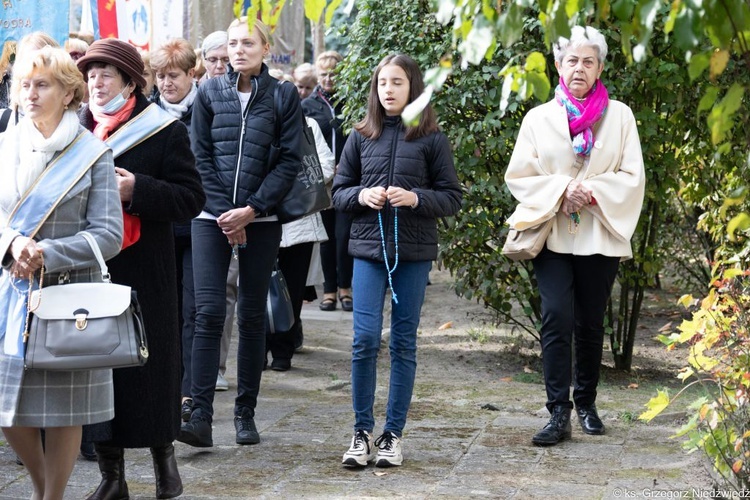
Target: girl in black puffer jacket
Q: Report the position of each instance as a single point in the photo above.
(396, 181)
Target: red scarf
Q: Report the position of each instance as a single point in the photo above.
(104, 125)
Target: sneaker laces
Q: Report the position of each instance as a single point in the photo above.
(244, 423)
(388, 438)
(361, 440)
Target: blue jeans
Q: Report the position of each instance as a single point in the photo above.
(211, 255)
(369, 284)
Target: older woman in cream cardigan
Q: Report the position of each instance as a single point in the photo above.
(578, 161)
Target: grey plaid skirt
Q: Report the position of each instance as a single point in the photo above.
(40, 398)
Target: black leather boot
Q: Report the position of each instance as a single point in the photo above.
(112, 466)
(557, 429)
(168, 482)
(589, 420)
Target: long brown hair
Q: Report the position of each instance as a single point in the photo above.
(372, 124)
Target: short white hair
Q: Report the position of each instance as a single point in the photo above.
(214, 41)
(580, 36)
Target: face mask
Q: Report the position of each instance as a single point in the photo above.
(112, 106)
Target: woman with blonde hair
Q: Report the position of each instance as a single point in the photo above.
(31, 42)
(48, 87)
(76, 48)
(232, 133)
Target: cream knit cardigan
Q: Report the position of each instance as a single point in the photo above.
(543, 163)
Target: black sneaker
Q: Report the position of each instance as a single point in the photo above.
(246, 431)
(197, 432)
(281, 365)
(186, 410)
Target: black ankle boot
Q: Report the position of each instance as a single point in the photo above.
(168, 482)
(112, 466)
(589, 420)
(556, 430)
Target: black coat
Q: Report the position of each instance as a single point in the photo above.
(181, 229)
(423, 165)
(167, 190)
(222, 132)
(329, 120)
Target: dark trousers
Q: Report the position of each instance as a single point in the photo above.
(211, 255)
(334, 254)
(294, 262)
(186, 303)
(574, 291)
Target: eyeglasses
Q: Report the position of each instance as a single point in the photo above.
(214, 60)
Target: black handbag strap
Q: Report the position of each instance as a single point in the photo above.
(4, 118)
(277, 105)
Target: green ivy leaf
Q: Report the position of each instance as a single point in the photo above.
(540, 85)
(698, 64)
(708, 99)
(739, 222)
(684, 29)
(623, 9)
(536, 62)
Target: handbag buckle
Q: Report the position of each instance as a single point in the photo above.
(81, 319)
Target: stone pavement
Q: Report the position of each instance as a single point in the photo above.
(468, 436)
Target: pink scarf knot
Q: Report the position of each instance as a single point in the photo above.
(583, 115)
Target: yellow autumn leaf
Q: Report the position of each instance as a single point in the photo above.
(446, 326)
(719, 60)
(331, 9)
(314, 9)
(732, 272)
(699, 361)
(685, 373)
(656, 405)
(704, 411)
(685, 301)
(271, 11)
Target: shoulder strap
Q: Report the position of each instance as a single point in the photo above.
(98, 254)
(278, 101)
(145, 125)
(4, 119)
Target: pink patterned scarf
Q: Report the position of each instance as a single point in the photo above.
(583, 115)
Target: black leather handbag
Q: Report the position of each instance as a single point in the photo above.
(86, 326)
(279, 311)
(307, 194)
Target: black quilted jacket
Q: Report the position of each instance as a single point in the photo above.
(423, 165)
(231, 147)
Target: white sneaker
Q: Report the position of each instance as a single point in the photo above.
(389, 450)
(221, 383)
(361, 451)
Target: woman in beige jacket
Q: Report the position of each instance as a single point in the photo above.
(578, 161)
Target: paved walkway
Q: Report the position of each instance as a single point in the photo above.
(468, 436)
